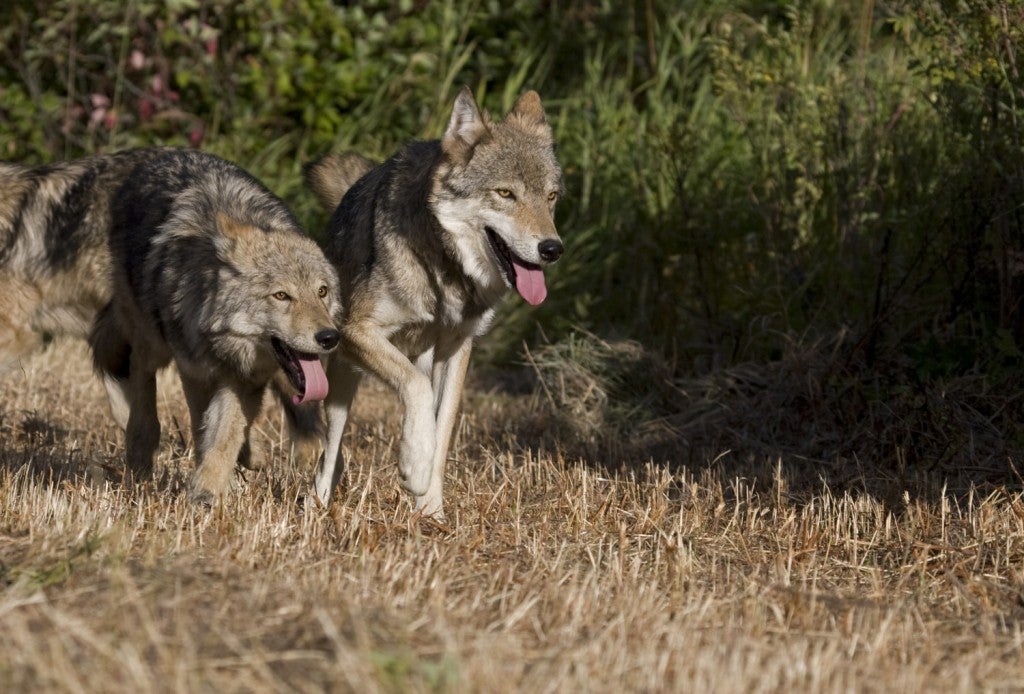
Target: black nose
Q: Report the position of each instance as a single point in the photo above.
(328, 338)
(550, 250)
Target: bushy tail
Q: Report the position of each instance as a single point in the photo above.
(330, 176)
(111, 356)
(110, 350)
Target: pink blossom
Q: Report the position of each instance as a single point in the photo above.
(96, 117)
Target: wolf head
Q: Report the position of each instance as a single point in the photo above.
(496, 194)
(284, 296)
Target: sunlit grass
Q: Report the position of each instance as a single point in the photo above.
(549, 574)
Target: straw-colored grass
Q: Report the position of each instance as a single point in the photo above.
(549, 574)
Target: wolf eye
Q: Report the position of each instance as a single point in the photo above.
(504, 193)
(322, 291)
(281, 296)
(552, 196)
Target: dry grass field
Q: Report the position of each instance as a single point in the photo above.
(550, 573)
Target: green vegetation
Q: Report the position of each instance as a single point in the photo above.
(746, 181)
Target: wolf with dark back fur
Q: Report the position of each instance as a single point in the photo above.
(210, 270)
(426, 244)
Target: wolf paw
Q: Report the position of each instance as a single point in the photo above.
(311, 502)
(429, 505)
(201, 497)
(414, 472)
(417, 451)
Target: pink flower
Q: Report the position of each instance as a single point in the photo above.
(96, 117)
(137, 60)
(195, 137)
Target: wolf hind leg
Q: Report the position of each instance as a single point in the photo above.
(447, 379)
(344, 380)
(142, 430)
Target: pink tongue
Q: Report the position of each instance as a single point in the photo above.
(530, 283)
(316, 381)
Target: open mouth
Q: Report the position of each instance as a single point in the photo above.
(304, 371)
(527, 278)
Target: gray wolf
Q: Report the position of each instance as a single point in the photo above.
(210, 270)
(56, 271)
(426, 244)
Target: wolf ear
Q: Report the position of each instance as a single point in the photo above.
(528, 106)
(466, 128)
(231, 232)
(232, 228)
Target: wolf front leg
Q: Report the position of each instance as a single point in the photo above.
(369, 348)
(448, 377)
(225, 427)
(344, 382)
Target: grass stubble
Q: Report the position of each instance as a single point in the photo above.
(549, 574)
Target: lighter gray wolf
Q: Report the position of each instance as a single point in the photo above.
(426, 244)
(56, 269)
(210, 270)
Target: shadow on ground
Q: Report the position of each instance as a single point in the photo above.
(813, 420)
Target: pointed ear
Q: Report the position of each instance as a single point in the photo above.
(232, 228)
(528, 107)
(231, 232)
(466, 128)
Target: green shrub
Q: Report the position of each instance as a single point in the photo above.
(740, 176)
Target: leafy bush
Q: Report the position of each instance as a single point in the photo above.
(741, 177)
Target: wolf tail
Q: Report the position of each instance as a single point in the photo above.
(330, 176)
(110, 350)
(111, 357)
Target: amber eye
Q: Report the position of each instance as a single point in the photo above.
(552, 196)
(281, 296)
(504, 193)
(322, 291)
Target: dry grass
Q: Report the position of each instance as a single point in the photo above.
(550, 575)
